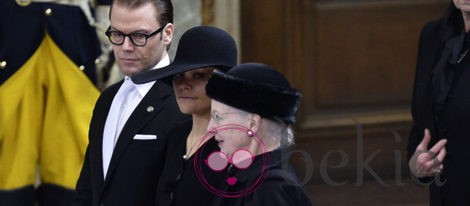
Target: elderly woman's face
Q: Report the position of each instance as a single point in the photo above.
(230, 140)
(463, 5)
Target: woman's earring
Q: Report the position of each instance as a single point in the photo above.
(249, 133)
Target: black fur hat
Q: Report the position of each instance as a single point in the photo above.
(256, 88)
(200, 46)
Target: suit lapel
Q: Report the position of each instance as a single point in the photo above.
(105, 107)
(442, 77)
(152, 104)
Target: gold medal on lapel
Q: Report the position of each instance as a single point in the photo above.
(23, 2)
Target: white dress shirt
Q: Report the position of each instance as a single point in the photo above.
(126, 100)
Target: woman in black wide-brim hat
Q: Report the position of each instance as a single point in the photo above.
(252, 108)
(200, 50)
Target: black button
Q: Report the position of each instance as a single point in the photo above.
(178, 177)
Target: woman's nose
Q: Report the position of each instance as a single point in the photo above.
(183, 83)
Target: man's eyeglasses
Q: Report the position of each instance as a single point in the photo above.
(137, 38)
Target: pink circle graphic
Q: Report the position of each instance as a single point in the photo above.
(242, 159)
(218, 161)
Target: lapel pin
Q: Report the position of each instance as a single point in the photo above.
(150, 109)
(23, 2)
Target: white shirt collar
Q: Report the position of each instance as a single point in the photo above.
(165, 61)
(144, 88)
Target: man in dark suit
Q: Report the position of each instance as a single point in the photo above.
(130, 123)
(439, 140)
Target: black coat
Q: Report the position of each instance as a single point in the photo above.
(444, 108)
(179, 184)
(135, 165)
(269, 180)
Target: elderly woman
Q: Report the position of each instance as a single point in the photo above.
(252, 109)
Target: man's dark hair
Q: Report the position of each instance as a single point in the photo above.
(164, 8)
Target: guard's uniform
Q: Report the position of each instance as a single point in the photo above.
(47, 93)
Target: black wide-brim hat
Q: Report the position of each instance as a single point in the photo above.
(200, 46)
(256, 88)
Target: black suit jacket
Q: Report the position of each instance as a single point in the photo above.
(433, 56)
(135, 165)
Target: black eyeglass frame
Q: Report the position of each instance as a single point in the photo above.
(109, 33)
